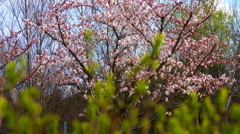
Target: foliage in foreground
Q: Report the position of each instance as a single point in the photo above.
(23, 117)
(194, 116)
(104, 116)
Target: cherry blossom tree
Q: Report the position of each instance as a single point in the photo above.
(141, 40)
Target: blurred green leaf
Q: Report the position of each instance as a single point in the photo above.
(27, 99)
(14, 72)
(88, 36)
(222, 98)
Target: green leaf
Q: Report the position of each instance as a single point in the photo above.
(11, 75)
(110, 87)
(88, 36)
(27, 100)
(14, 72)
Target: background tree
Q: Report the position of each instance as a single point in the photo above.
(233, 9)
(30, 43)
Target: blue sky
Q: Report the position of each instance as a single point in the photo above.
(224, 5)
(225, 1)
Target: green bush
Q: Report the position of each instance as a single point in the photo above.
(194, 116)
(25, 118)
(107, 113)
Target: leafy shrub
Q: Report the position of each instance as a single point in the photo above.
(194, 116)
(25, 119)
(108, 113)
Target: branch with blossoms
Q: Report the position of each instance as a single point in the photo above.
(11, 49)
